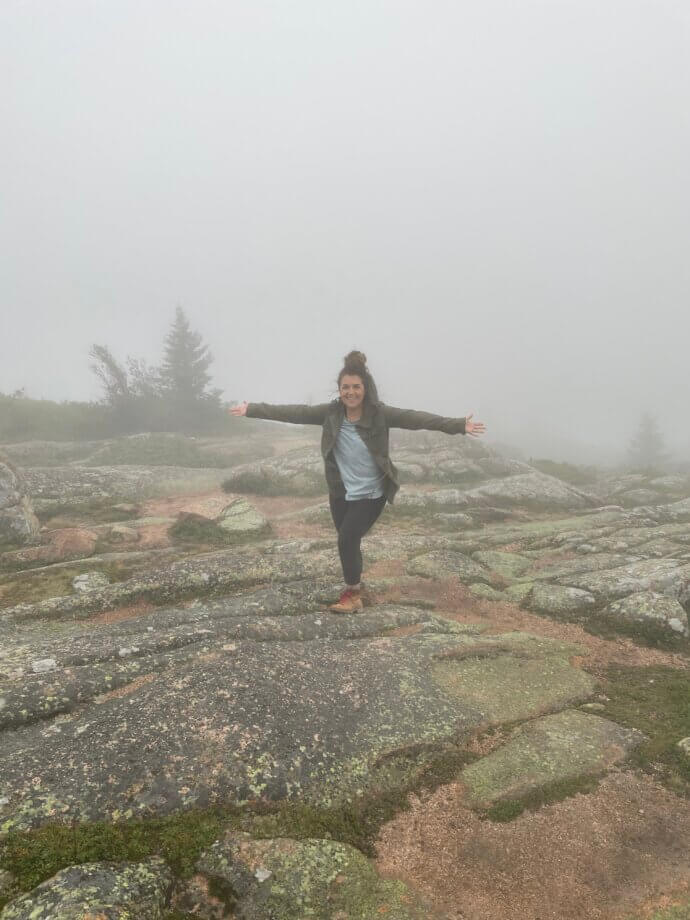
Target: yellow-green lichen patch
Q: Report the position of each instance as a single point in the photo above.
(295, 879)
(127, 890)
(508, 565)
(508, 688)
(556, 748)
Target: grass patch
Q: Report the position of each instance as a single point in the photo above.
(76, 514)
(656, 701)
(34, 856)
(161, 450)
(39, 585)
(257, 483)
(509, 809)
(190, 530)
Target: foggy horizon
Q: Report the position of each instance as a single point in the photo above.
(491, 202)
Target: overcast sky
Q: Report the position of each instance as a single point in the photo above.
(490, 199)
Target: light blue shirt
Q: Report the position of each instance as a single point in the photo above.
(361, 476)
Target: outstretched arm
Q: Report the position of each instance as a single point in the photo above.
(296, 415)
(416, 421)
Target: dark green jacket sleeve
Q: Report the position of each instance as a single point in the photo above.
(297, 415)
(416, 421)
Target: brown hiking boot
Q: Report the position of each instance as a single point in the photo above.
(350, 602)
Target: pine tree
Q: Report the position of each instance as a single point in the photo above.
(646, 449)
(184, 373)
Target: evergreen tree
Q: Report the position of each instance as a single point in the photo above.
(646, 449)
(184, 376)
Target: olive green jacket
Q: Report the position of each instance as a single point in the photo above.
(372, 427)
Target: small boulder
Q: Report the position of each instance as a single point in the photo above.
(99, 890)
(43, 665)
(90, 581)
(294, 879)
(457, 521)
(72, 543)
(486, 592)
(520, 592)
(557, 747)
(508, 565)
(18, 523)
(558, 600)
(242, 519)
(651, 607)
(445, 563)
(210, 509)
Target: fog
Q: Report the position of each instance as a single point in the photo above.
(490, 199)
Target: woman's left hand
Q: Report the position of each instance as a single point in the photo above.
(474, 428)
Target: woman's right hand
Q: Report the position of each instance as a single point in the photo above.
(239, 410)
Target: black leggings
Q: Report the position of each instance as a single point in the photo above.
(352, 520)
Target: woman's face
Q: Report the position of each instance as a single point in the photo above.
(352, 391)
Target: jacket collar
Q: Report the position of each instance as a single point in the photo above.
(368, 411)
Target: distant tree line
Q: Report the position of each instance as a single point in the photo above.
(176, 396)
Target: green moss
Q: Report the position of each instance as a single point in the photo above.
(32, 587)
(679, 912)
(35, 855)
(75, 514)
(648, 634)
(509, 809)
(656, 701)
(189, 530)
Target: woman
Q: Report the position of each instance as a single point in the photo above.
(354, 446)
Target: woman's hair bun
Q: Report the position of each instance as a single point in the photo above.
(356, 359)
